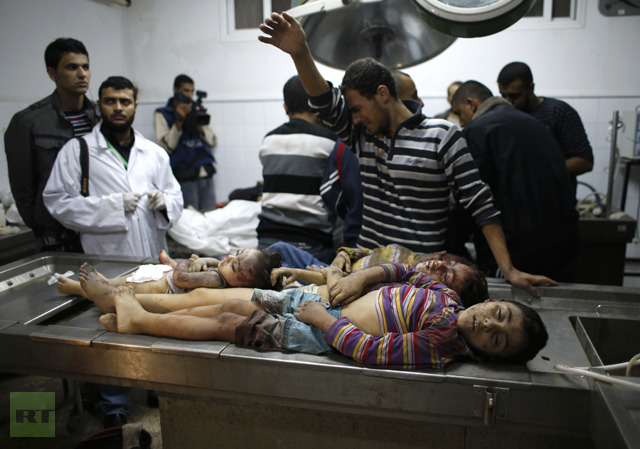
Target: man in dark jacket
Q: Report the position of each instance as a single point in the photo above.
(182, 128)
(523, 165)
(36, 134)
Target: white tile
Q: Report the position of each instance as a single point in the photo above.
(232, 113)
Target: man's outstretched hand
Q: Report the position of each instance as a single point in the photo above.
(284, 32)
(527, 281)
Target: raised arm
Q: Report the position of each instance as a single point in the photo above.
(286, 33)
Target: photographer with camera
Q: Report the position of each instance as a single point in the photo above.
(182, 128)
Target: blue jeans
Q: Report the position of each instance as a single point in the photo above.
(294, 335)
(199, 193)
(292, 256)
(114, 399)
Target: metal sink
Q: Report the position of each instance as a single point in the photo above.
(607, 341)
(615, 410)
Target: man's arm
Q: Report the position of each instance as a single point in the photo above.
(24, 182)
(167, 137)
(577, 166)
(287, 34)
(495, 238)
(207, 136)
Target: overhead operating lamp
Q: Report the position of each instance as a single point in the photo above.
(472, 18)
(391, 31)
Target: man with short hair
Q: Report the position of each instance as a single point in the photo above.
(522, 163)
(189, 143)
(515, 82)
(448, 114)
(310, 178)
(36, 134)
(132, 198)
(409, 163)
(405, 87)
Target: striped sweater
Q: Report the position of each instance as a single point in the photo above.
(294, 157)
(408, 177)
(419, 321)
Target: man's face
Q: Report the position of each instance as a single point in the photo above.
(464, 110)
(494, 328)
(72, 74)
(407, 90)
(517, 93)
(452, 91)
(186, 88)
(118, 108)
(450, 273)
(367, 113)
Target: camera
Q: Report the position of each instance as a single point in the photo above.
(198, 115)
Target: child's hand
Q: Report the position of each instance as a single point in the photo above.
(342, 261)
(347, 289)
(316, 268)
(289, 275)
(332, 275)
(314, 313)
(197, 265)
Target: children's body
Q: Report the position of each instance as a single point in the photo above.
(346, 288)
(494, 329)
(244, 268)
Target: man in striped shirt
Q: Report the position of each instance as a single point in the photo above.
(409, 164)
(413, 321)
(36, 134)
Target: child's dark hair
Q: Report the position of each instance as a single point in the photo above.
(266, 261)
(474, 289)
(536, 334)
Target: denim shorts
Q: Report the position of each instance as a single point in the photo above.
(293, 334)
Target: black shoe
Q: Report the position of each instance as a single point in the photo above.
(152, 398)
(114, 420)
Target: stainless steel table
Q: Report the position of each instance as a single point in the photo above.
(221, 395)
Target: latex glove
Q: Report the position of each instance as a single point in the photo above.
(130, 200)
(156, 201)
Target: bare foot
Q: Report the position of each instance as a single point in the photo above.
(109, 321)
(97, 288)
(129, 310)
(165, 259)
(68, 286)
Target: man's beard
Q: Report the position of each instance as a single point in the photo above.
(117, 127)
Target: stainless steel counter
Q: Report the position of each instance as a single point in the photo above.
(45, 333)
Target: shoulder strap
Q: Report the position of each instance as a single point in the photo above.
(339, 162)
(84, 166)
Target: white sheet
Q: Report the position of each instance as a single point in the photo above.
(219, 231)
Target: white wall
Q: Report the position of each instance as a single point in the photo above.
(592, 66)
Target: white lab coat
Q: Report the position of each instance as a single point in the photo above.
(104, 226)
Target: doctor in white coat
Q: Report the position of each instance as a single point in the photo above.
(133, 196)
